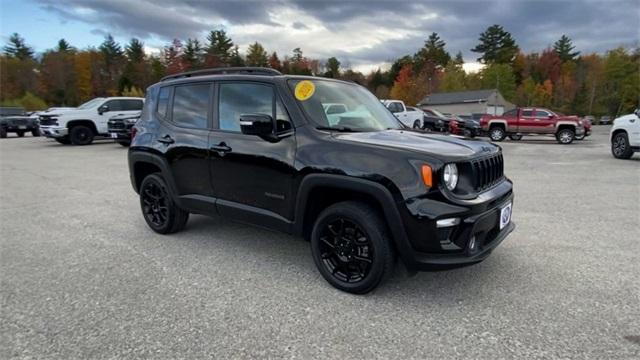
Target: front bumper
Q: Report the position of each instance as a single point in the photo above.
(53, 131)
(432, 247)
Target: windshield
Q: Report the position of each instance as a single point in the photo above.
(344, 106)
(90, 104)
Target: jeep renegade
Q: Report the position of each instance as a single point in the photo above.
(259, 147)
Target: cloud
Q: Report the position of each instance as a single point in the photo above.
(363, 33)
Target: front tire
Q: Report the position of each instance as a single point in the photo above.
(159, 210)
(35, 132)
(565, 136)
(3, 132)
(81, 135)
(515, 137)
(496, 133)
(351, 247)
(620, 146)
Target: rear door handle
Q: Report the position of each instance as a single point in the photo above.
(166, 140)
(221, 148)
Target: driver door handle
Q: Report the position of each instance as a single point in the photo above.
(221, 148)
(166, 140)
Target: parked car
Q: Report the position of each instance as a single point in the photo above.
(410, 117)
(465, 127)
(120, 127)
(435, 120)
(625, 135)
(605, 120)
(523, 121)
(590, 118)
(16, 120)
(360, 190)
(79, 126)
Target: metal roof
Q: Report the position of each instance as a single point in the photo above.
(458, 97)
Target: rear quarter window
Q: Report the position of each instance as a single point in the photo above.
(163, 102)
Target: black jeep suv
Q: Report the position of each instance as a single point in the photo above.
(258, 147)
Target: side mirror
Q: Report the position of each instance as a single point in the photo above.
(637, 112)
(103, 109)
(551, 116)
(256, 124)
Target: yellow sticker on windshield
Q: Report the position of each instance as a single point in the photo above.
(304, 90)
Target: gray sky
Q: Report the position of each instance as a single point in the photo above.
(362, 34)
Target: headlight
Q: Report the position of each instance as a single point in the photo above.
(451, 176)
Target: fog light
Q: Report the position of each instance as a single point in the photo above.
(472, 243)
(447, 222)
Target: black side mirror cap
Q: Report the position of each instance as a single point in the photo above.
(256, 124)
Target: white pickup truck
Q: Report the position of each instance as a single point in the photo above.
(625, 135)
(409, 116)
(78, 126)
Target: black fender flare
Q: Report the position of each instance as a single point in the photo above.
(377, 191)
(137, 157)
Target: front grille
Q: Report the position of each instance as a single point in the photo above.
(48, 121)
(119, 125)
(487, 171)
(19, 122)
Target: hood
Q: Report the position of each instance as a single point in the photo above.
(451, 147)
(625, 119)
(57, 111)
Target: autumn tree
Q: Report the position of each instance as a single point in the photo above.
(496, 46)
(58, 76)
(112, 58)
(274, 62)
(454, 77)
(18, 69)
(404, 85)
(173, 62)
(501, 77)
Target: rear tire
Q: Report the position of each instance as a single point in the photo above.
(35, 132)
(81, 135)
(620, 146)
(565, 136)
(20, 133)
(515, 137)
(3, 133)
(496, 133)
(159, 210)
(351, 247)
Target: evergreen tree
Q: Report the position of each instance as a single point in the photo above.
(218, 50)
(564, 48)
(256, 55)
(135, 51)
(192, 54)
(333, 68)
(497, 46)
(64, 46)
(458, 60)
(236, 59)
(18, 48)
(111, 51)
(433, 53)
(501, 77)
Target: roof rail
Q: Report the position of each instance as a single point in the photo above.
(225, 70)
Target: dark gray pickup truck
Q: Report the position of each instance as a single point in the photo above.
(15, 119)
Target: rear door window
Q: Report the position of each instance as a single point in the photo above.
(527, 113)
(191, 105)
(131, 105)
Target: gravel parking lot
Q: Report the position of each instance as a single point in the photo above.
(83, 277)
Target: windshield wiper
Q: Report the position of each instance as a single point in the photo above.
(336, 128)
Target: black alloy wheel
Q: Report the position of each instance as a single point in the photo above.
(155, 204)
(346, 250)
(351, 248)
(158, 208)
(81, 135)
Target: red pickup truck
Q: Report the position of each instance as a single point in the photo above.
(524, 121)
